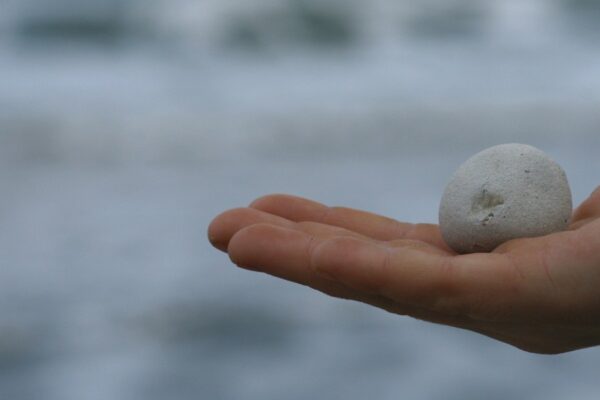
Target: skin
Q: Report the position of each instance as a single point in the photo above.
(539, 294)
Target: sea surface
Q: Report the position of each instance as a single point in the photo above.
(121, 138)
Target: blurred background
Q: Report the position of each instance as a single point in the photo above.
(126, 125)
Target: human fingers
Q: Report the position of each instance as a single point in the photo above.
(228, 223)
(376, 226)
(287, 253)
(225, 225)
(420, 282)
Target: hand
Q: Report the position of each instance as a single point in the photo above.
(539, 294)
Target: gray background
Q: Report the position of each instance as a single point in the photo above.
(125, 126)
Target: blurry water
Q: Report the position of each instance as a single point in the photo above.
(105, 81)
(126, 126)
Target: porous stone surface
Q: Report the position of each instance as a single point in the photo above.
(505, 192)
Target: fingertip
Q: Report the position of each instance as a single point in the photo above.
(233, 246)
(265, 201)
(216, 244)
(239, 247)
(214, 233)
(264, 245)
(223, 226)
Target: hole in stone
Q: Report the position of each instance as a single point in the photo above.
(485, 200)
(484, 204)
(487, 218)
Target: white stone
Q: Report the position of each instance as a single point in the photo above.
(505, 192)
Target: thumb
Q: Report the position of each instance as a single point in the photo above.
(588, 210)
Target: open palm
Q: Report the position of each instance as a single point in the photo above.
(539, 294)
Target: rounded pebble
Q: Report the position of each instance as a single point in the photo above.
(505, 192)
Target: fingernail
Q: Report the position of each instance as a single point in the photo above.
(221, 246)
